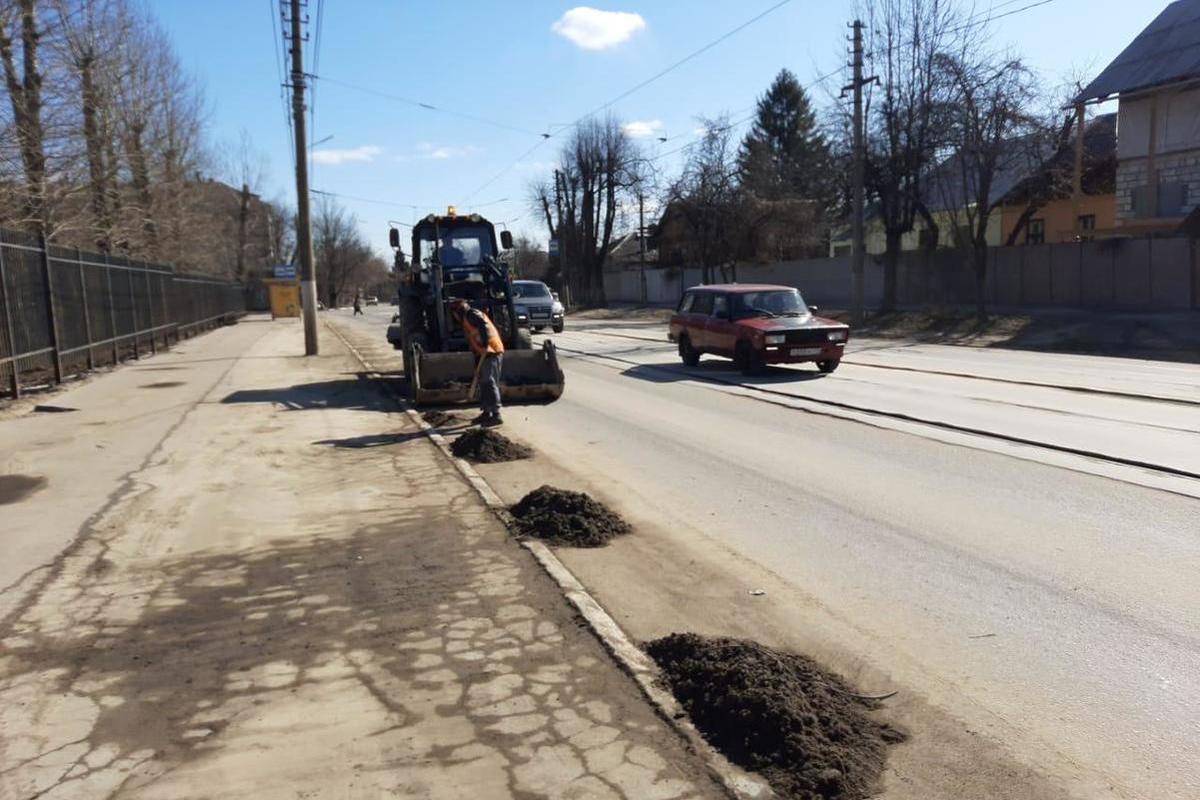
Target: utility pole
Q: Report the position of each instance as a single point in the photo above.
(642, 239)
(308, 277)
(859, 249)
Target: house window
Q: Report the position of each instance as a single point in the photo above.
(1087, 227)
(1037, 232)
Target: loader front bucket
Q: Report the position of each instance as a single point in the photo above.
(445, 378)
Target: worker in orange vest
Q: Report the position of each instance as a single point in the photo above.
(487, 345)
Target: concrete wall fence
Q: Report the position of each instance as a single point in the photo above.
(1116, 274)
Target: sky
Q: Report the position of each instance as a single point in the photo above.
(502, 73)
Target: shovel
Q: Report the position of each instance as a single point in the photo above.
(472, 393)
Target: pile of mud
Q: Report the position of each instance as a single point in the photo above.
(486, 446)
(778, 714)
(568, 518)
(437, 418)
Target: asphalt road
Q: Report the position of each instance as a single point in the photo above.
(944, 527)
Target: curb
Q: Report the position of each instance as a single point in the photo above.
(737, 783)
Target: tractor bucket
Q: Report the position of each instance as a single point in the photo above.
(446, 378)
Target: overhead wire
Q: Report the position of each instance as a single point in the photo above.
(430, 106)
(637, 87)
(280, 50)
(314, 62)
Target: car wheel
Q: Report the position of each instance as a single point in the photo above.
(828, 366)
(689, 355)
(747, 359)
(557, 327)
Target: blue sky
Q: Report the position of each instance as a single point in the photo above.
(534, 65)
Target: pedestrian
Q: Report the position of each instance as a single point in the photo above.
(357, 305)
(488, 348)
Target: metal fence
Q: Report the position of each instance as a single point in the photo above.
(63, 311)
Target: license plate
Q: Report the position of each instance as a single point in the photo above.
(806, 351)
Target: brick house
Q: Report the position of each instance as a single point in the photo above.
(1157, 81)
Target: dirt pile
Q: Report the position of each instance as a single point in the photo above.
(437, 418)
(778, 714)
(486, 446)
(569, 518)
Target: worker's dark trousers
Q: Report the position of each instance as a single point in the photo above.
(489, 383)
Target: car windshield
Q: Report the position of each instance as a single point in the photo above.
(771, 303)
(461, 246)
(531, 291)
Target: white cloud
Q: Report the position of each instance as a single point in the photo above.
(366, 152)
(441, 152)
(593, 29)
(643, 128)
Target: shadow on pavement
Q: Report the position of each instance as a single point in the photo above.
(722, 371)
(373, 440)
(357, 393)
(1163, 337)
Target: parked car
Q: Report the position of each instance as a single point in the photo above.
(372, 300)
(755, 325)
(537, 307)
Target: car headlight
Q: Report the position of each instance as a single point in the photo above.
(775, 338)
(837, 336)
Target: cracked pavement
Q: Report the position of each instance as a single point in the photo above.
(295, 595)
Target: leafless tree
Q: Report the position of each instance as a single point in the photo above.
(990, 132)
(1054, 132)
(88, 47)
(245, 167)
(905, 39)
(529, 260)
(590, 183)
(20, 39)
(708, 203)
(344, 260)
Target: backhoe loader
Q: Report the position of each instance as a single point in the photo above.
(456, 257)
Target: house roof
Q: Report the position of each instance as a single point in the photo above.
(1099, 163)
(1167, 51)
(1020, 157)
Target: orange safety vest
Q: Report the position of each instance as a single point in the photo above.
(481, 333)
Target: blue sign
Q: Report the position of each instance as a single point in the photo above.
(285, 272)
(554, 247)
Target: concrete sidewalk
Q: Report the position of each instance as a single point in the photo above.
(296, 595)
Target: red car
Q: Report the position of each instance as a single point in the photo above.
(755, 325)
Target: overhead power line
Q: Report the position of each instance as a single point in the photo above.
(988, 16)
(430, 106)
(672, 67)
(687, 58)
(372, 200)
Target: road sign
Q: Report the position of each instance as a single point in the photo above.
(554, 247)
(285, 272)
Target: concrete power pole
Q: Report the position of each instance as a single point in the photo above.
(642, 239)
(859, 251)
(308, 276)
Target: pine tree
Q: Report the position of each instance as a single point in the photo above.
(784, 155)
